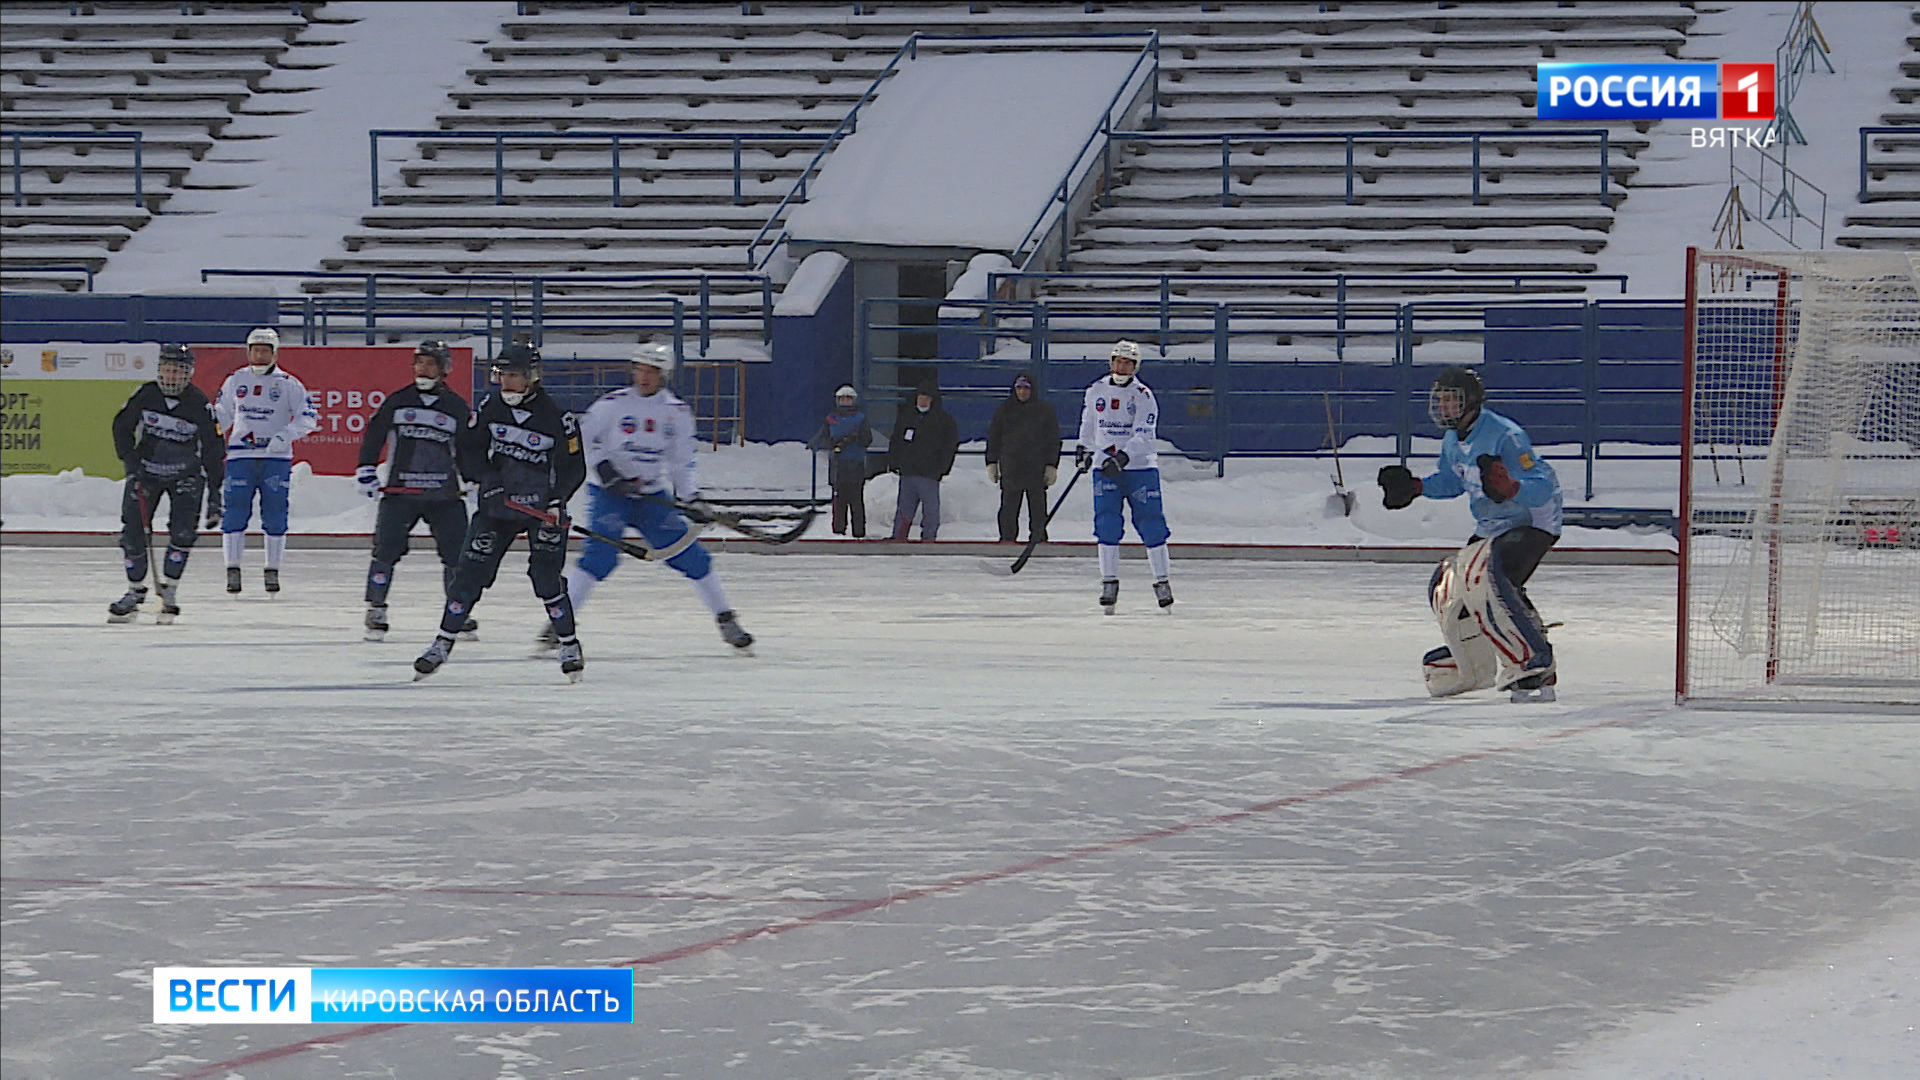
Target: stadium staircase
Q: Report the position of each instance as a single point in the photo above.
(1889, 220)
(179, 74)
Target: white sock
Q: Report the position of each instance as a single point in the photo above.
(231, 545)
(1158, 559)
(1109, 562)
(711, 593)
(276, 547)
(579, 586)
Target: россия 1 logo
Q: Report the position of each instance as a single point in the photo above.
(1680, 91)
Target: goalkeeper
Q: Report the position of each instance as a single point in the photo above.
(1494, 636)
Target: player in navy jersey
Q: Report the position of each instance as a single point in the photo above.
(165, 437)
(523, 452)
(1494, 635)
(416, 427)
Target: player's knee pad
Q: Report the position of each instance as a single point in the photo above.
(598, 559)
(1467, 661)
(1108, 525)
(693, 562)
(1501, 614)
(176, 564)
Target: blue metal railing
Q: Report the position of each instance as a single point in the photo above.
(372, 306)
(613, 138)
(909, 50)
(139, 171)
(1479, 282)
(1060, 209)
(1866, 148)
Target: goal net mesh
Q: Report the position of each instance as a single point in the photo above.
(1801, 575)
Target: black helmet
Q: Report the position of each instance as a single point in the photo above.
(524, 359)
(1455, 400)
(180, 359)
(438, 350)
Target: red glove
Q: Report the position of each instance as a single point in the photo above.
(1495, 480)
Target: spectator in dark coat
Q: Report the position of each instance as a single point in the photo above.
(1023, 457)
(846, 434)
(925, 439)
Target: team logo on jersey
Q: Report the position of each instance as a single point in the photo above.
(650, 424)
(273, 394)
(1526, 460)
(627, 426)
(1099, 404)
(240, 391)
(1116, 403)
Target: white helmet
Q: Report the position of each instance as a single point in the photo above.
(265, 336)
(1124, 349)
(846, 392)
(657, 357)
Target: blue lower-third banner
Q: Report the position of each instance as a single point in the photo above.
(183, 995)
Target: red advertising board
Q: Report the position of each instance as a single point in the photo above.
(347, 382)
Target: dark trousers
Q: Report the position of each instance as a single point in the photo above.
(140, 502)
(850, 505)
(488, 538)
(1520, 550)
(446, 519)
(1035, 496)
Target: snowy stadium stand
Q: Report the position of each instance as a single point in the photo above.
(1891, 168)
(771, 68)
(78, 79)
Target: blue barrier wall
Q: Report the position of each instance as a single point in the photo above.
(29, 317)
(813, 355)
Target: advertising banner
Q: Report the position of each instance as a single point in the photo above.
(347, 382)
(59, 404)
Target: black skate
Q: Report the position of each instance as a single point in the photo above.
(1109, 594)
(1537, 687)
(430, 661)
(169, 603)
(734, 633)
(573, 661)
(547, 640)
(469, 631)
(122, 610)
(376, 622)
(1163, 592)
(233, 580)
(273, 580)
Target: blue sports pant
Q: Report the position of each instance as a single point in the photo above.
(270, 479)
(1138, 489)
(653, 517)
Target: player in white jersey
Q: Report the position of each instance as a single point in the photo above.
(262, 411)
(640, 448)
(1117, 430)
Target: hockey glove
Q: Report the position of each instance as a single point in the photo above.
(700, 509)
(212, 520)
(280, 444)
(993, 472)
(1116, 464)
(132, 468)
(613, 483)
(1498, 484)
(368, 477)
(1082, 459)
(1053, 473)
(1398, 487)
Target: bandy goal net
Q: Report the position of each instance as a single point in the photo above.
(1800, 479)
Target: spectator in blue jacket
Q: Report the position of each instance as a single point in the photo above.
(846, 434)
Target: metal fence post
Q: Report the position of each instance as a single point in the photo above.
(499, 170)
(1166, 317)
(616, 172)
(1226, 172)
(538, 301)
(373, 164)
(1349, 170)
(706, 314)
(1222, 431)
(372, 298)
(1403, 381)
(1590, 365)
(1476, 168)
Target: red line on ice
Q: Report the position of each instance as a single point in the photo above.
(860, 907)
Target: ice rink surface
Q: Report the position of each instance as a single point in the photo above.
(942, 825)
